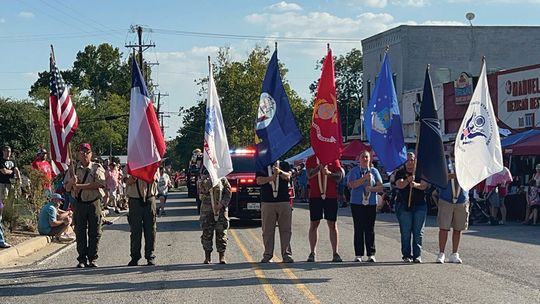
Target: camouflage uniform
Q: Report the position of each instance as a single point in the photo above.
(208, 223)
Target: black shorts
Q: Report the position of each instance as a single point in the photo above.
(162, 195)
(319, 209)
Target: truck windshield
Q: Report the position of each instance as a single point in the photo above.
(243, 164)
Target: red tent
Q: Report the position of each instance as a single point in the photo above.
(529, 146)
(353, 149)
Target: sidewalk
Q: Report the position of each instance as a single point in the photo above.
(34, 245)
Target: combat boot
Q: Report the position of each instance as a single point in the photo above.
(207, 257)
(222, 258)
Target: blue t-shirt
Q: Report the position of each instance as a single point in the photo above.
(447, 195)
(46, 215)
(357, 194)
(302, 177)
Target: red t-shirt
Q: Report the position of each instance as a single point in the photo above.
(331, 185)
(45, 167)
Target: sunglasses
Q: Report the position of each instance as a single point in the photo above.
(85, 152)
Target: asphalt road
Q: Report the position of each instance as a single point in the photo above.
(501, 265)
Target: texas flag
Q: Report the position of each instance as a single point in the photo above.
(146, 145)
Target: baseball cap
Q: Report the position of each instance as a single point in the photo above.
(56, 196)
(85, 146)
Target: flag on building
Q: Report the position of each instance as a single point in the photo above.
(430, 160)
(276, 129)
(478, 149)
(325, 133)
(216, 155)
(63, 121)
(382, 121)
(146, 145)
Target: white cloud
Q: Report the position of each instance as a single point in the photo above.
(477, 2)
(415, 3)
(284, 6)
(369, 3)
(25, 14)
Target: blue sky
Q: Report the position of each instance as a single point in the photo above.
(28, 27)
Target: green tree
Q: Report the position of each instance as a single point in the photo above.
(348, 71)
(239, 86)
(24, 126)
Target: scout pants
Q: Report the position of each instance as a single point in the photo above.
(142, 218)
(87, 219)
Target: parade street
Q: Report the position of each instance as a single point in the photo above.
(501, 265)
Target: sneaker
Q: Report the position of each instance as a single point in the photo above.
(407, 260)
(267, 260)
(288, 260)
(501, 223)
(440, 258)
(81, 265)
(92, 264)
(133, 262)
(454, 258)
(5, 245)
(311, 257)
(151, 262)
(417, 260)
(371, 259)
(337, 258)
(358, 259)
(66, 238)
(107, 222)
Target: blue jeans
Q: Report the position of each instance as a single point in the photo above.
(411, 222)
(2, 240)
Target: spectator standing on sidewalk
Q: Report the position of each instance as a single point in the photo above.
(323, 179)
(411, 218)
(86, 186)
(112, 176)
(365, 181)
(276, 208)
(54, 221)
(142, 218)
(8, 172)
(164, 184)
(453, 212)
(41, 164)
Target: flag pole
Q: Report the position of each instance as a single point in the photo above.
(215, 202)
(419, 133)
(328, 47)
(275, 45)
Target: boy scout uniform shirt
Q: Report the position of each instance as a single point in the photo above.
(96, 174)
(146, 191)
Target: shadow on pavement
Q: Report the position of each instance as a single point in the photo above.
(244, 224)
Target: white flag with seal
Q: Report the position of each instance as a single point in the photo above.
(216, 155)
(478, 151)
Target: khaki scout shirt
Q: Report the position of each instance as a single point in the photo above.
(96, 174)
(145, 190)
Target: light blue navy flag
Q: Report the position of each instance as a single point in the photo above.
(382, 121)
(276, 129)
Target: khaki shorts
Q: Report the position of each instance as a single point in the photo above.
(455, 216)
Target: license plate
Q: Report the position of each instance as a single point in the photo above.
(253, 206)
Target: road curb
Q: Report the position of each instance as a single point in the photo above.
(23, 249)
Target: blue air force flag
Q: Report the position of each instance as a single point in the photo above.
(382, 121)
(478, 149)
(276, 129)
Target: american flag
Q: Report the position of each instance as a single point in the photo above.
(63, 120)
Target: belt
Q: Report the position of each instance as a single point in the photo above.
(88, 202)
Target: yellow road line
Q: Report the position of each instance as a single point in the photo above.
(307, 293)
(270, 293)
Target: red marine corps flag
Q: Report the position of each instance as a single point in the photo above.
(325, 133)
(146, 145)
(63, 119)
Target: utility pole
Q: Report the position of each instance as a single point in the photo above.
(141, 47)
(159, 112)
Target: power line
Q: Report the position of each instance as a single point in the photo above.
(255, 37)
